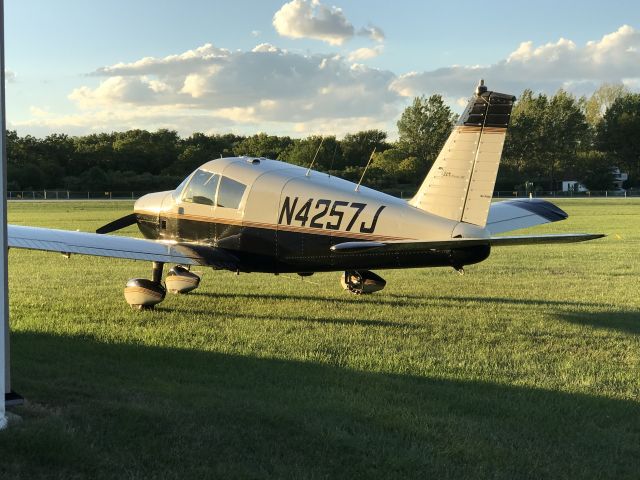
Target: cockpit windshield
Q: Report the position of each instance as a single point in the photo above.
(202, 188)
(178, 190)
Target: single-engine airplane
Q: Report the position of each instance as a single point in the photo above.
(248, 214)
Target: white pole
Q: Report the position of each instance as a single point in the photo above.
(5, 379)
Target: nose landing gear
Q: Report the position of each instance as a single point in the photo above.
(180, 280)
(362, 282)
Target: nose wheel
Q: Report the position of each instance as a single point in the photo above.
(361, 282)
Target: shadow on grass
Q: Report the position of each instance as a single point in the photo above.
(347, 298)
(301, 318)
(396, 300)
(506, 300)
(119, 410)
(628, 322)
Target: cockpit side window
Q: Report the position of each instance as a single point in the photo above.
(202, 188)
(230, 193)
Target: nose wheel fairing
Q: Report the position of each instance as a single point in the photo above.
(362, 282)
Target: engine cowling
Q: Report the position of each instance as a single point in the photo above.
(180, 280)
(143, 294)
(362, 282)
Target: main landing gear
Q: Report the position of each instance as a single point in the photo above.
(144, 294)
(360, 282)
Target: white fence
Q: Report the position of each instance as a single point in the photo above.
(121, 195)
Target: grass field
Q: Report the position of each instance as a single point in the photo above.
(526, 367)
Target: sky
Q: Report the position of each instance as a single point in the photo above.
(299, 67)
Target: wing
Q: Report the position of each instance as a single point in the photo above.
(67, 242)
(453, 243)
(515, 214)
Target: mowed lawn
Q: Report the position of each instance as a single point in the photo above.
(528, 366)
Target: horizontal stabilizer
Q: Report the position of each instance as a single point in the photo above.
(511, 215)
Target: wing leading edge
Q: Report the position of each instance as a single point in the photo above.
(68, 242)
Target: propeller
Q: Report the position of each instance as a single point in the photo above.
(122, 222)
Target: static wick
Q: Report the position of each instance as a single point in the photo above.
(365, 170)
(314, 157)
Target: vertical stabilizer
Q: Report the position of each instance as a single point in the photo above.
(460, 184)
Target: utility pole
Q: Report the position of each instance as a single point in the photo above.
(10, 398)
(5, 380)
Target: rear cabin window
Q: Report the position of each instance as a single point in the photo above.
(230, 193)
(202, 188)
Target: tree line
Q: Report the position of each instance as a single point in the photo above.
(551, 138)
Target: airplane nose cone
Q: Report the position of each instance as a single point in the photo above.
(151, 203)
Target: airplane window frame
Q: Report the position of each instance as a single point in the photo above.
(237, 201)
(177, 192)
(214, 193)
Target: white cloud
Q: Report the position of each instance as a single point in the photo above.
(372, 32)
(9, 76)
(127, 90)
(563, 64)
(312, 19)
(199, 58)
(265, 48)
(271, 89)
(194, 85)
(39, 112)
(263, 87)
(256, 33)
(365, 53)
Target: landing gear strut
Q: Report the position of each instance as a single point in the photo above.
(144, 294)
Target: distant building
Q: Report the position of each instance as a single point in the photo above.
(573, 186)
(619, 178)
(618, 181)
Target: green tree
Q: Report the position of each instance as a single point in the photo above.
(595, 170)
(424, 127)
(619, 134)
(357, 147)
(142, 151)
(301, 151)
(263, 145)
(200, 148)
(544, 137)
(564, 134)
(600, 101)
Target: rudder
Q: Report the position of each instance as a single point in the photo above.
(460, 184)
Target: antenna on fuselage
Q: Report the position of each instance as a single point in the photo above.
(365, 169)
(314, 157)
(335, 149)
